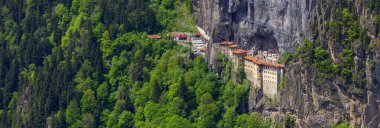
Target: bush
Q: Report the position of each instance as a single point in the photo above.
(320, 54)
(286, 57)
(348, 58)
(346, 75)
(344, 124)
(322, 61)
(289, 121)
(306, 50)
(283, 83)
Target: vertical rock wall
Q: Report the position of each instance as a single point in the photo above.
(263, 24)
(282, 25)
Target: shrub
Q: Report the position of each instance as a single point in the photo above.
(344, 124)
(286, 57)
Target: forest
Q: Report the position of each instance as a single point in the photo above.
(88, 63)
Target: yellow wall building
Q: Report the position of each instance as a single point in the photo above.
(253, 71)
(263, 74)
(260, 72)
(271, 79)
(238, 58)
(224, 48)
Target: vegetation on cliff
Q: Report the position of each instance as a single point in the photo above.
(345, 40)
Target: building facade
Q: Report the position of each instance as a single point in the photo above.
(224, 48)
(260, 69)
(253, 71)
(271, 79)
(237, 58)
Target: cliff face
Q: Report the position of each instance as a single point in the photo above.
(274, 24)
(312, 98)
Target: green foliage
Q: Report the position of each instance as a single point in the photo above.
(88, 120)
(283, 83)
(178, 121)
(126, 120)
(240, 74)
(253, 120)
(63, 13)
(306, 51)
(73, 113)
(334, 29)
(322, 61)
(286, 57)
(342, 125)
(88, 101)
(207, 111)
(318, 56)
(288, 121)
(175, 15)
(87, 63)
(347, 38)
(56, 120)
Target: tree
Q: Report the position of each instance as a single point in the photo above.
(63, 13)
(88, 101)
(176, 106)
(200, 64)
(56, 120)
(253, 120)
(88, 120)
(126, 120)
(320, 54)
(72, 113)
(178, 121)
(207, 111)
(155, 89)
(228, 120)
(102, 91)
(75, 7)
(112, 119)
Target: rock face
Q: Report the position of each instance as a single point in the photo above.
(264, 24)
(282, 25)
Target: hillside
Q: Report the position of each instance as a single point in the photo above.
(92, 63)
(87, 63)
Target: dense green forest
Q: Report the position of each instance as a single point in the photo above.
(88, 63)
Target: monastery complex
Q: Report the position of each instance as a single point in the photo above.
(261, 67)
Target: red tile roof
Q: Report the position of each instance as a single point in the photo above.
(154, 36)
(239, 51)
(227, 43)
(175, 34)
(234, 46)
(203, 49)
(182, 36)
(254, 59)
(197, 34)
(263, 62)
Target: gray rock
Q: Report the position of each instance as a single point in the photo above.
(312, 98)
